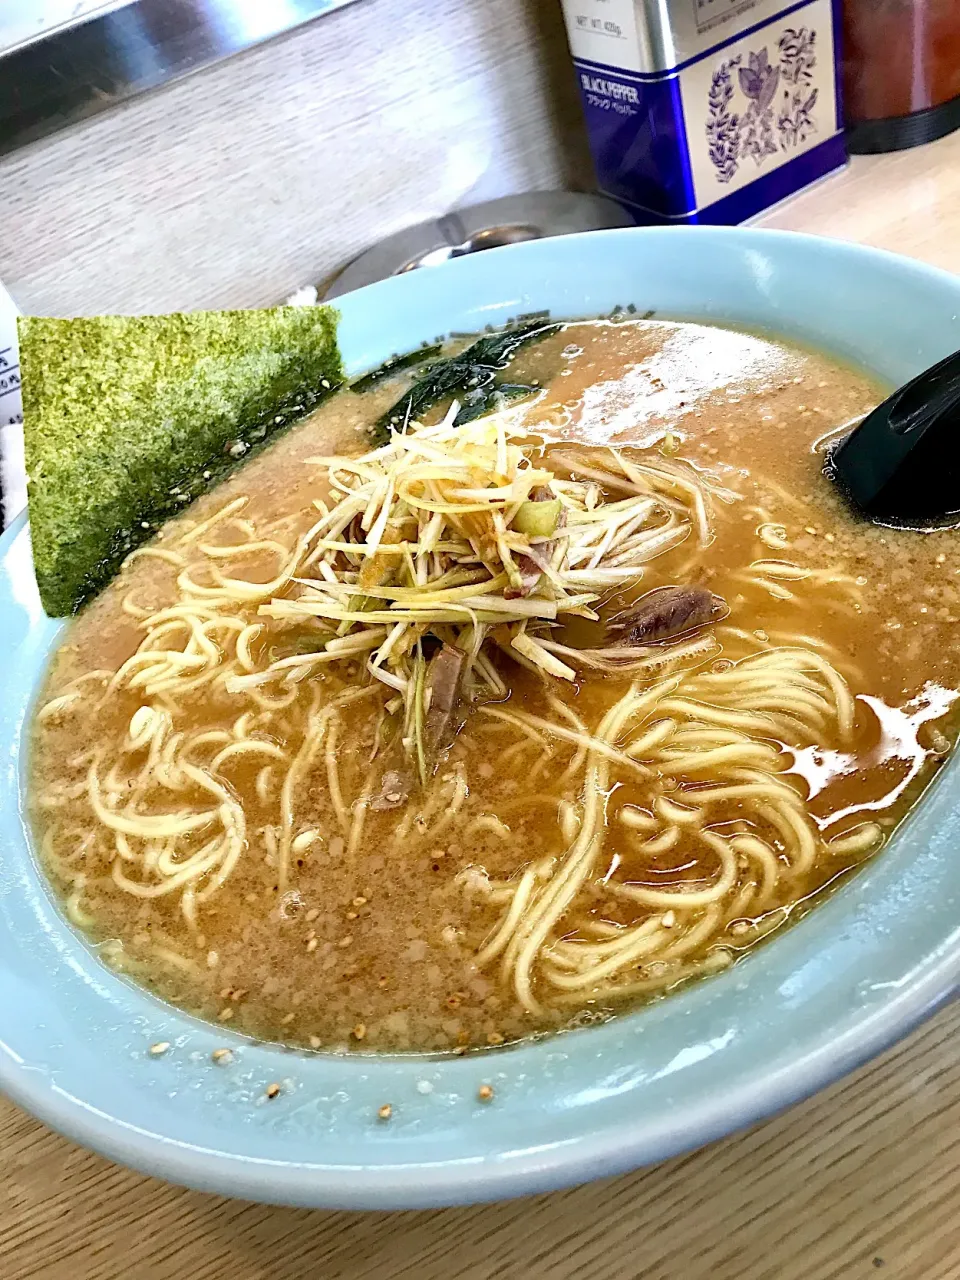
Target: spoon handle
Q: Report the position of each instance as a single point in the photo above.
(901, 465)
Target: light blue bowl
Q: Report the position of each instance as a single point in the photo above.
(842, 984)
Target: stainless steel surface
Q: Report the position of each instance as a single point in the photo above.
(66, 60)
(482, 226)
(652, 36)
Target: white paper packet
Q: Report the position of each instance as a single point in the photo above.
(13, 477)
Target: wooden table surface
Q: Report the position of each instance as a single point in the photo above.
(862, 1180)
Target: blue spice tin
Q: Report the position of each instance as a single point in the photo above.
(708, 110)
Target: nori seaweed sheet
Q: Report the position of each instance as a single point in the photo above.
(129, 418)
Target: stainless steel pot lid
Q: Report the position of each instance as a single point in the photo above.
(482, 226)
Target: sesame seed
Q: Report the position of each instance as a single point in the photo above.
(385, 1112)
(158, 1049)
(485, 1093)
(494, 1038)
(222, 1057)
(312, 915)
(359, 902)
(359, 1031)
(213, 959)
(939, 742)
(312, 944)
(345, 942)
(352, 915)
(315, 1042)
(225, 1014)
(272, 1090)
(287, 1019)
(669, 919)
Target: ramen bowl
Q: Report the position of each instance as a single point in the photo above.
(115, 1069)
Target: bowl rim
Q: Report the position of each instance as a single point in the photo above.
(828, 1054)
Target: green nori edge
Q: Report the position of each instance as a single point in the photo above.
(471, 370)
(396, 364)
(127, 419)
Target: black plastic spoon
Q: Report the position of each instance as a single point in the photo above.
(901, 466)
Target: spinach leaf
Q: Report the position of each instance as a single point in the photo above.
(469, 373)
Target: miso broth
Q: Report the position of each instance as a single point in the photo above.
(266, 876)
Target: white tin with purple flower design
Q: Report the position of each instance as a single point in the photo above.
(707, 110)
